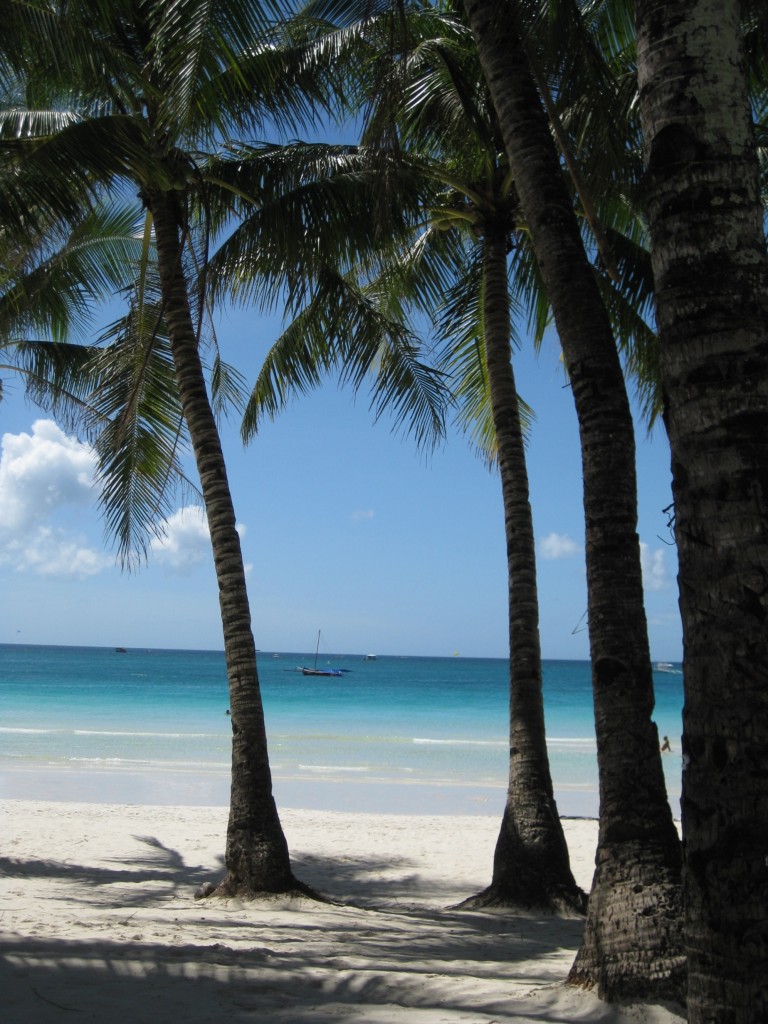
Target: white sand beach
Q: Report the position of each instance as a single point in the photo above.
(99, 924)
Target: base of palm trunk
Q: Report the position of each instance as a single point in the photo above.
(532, 897)
(231, 887)
(633, 939)
(256, 858)
(531, 866)
(558, 904)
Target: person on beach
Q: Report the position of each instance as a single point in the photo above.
(665, 746)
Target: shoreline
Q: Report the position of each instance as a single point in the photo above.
(404, 735)
(205, 788)
(100, 918)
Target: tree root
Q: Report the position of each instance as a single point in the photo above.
(558, 903)
(228, 888)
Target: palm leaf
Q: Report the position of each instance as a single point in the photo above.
(344, 329)
(138, 426)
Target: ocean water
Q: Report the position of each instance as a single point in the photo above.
(419, 735)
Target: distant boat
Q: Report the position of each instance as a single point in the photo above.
(315, 671)
(370, 657)
(121, 650)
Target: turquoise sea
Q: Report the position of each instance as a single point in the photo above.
(394, 734)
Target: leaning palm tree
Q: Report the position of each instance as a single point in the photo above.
(437, 131)
(160, 123)
(633, 940)
(150, 92)
(433, 98)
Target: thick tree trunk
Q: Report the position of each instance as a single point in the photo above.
(711, 275)
(633, 944)
(531, 867)
(256, 856)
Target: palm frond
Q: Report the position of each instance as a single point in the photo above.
(344, 329)
(55, 283)
(299, 206)
(56, 376)
(138, 429)
(229, 389)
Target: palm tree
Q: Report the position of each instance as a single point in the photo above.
(311, 244)
(427, 109)
(118, 389)
(531, 864)
(444, 121)
(152, 96)
(633, 942)
(710, 265)
(356, 307)
(161, 127)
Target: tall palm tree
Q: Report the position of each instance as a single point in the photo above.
(633, 941)
(152, 89)
(531, 864)
(710, 266)
(159, 123)
(410, 196)
(437, 104)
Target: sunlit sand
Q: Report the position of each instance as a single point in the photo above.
(100, 924)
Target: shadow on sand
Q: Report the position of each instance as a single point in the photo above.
(147, 952)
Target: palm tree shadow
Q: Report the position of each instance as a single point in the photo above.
(391, 941)
(309, 970)
(371, 882)
(161, 873)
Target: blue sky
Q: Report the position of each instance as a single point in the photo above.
(345, 527)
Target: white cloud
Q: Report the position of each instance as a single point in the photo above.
(186, 540)
(40, 472)
(361, 514)
(49, 552)
(558, 545)
(654, 568)
(43, 474)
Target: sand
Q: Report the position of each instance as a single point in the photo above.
(99, 924)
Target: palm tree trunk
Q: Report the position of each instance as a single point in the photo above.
(711, 273)
(633, 940)
(256, 856)
(531, 867)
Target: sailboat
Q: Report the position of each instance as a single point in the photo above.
(315, 671)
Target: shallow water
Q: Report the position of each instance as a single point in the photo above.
(407, 734)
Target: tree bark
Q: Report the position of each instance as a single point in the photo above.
(711, 277)
(256, 855)
(633, 944)
(531, 867)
